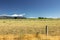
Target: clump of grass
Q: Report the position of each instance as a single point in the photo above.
(16, 38)
(4, 22)
(37, 34)
(4, 38)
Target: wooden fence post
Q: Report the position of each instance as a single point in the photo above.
(46, 30)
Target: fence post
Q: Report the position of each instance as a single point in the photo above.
(46, 30)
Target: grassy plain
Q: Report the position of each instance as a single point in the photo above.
(27, 29)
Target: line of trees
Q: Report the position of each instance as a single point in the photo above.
(7, 17)
(42, 18)
(27, 18)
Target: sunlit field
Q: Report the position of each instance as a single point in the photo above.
(29, 29)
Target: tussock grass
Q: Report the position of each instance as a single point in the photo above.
(29, 37)
(11, 29)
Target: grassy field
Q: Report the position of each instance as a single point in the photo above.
(27, 29)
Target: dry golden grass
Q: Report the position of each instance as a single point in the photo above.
(25, 29)
(29, 37)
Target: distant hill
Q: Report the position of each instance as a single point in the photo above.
(14, 16)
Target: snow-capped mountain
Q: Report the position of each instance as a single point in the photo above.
(12, 16)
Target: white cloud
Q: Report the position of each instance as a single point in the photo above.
(18, 15)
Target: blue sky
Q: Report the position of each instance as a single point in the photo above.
(31, 8)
